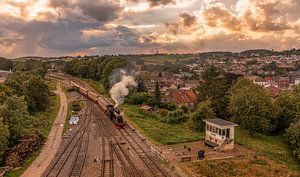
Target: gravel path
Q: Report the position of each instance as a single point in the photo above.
(51, 146)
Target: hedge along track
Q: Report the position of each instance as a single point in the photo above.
(78, 139)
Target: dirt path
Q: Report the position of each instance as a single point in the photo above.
(51, 146)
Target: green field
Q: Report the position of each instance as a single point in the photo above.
(158, 132)
(159, 59)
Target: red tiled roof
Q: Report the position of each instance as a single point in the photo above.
(180, 96)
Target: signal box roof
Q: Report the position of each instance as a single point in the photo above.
(220, 122)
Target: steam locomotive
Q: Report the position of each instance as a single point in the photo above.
(113, 113)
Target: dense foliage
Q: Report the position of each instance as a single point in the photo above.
(21, 96)
(204, 111)
(252, 107)
(96, 69)
(33, 66)
(32, 87)
(6, 64)
(215, 87)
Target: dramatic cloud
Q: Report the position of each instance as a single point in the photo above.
(186, 24)
(101, 10)
(72, 27)
(157, 2)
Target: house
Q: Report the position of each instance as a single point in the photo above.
(175, 83)
(181, 97)
(261, 82)
(219, 134)
(192, 84)
(274, 90)
(4, 75)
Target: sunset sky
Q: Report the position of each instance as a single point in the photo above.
(89, 27)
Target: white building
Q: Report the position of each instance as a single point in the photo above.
(297, 81)
(4, 75)
(219, 134)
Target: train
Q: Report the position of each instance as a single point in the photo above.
(110, 110)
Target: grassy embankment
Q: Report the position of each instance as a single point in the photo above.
(250, 165)
(44, 118)
(97, 85)
(157, 131)
(273, 147)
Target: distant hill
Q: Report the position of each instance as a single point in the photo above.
(5, 64)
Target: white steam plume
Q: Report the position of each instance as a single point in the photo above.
(120, 89)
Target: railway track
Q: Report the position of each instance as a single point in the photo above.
(146, 158)
(79, 143)
(129, 168)
(151, 165)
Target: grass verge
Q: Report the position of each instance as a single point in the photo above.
(158, 132)
(250, 165)
(273, 147)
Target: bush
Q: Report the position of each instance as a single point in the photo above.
(163, 113)
(185, 109)
(138, 98)
(168, 106)
(293, 137)
(174, 119)
(204, 112)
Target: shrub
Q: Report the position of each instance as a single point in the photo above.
(168, 106)
(163, 113)
(138, 98)
(185, 109)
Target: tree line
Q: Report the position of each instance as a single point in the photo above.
(96, 69)
(22, 95)
(238, 99)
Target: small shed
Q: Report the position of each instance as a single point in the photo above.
(74, 120)
(219, 134)
(147, 109)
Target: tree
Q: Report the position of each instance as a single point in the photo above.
(287, 107)
(138, 98)
(204, 111)
(141, 87)
(15, 115)
(4, 135)
(6, 64)
(157, 94)
(36, 94)
(252, 107)
(159, 74)
(293, 137)
(215, 88)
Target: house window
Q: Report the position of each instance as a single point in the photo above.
(220, 132)
(223, 132)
